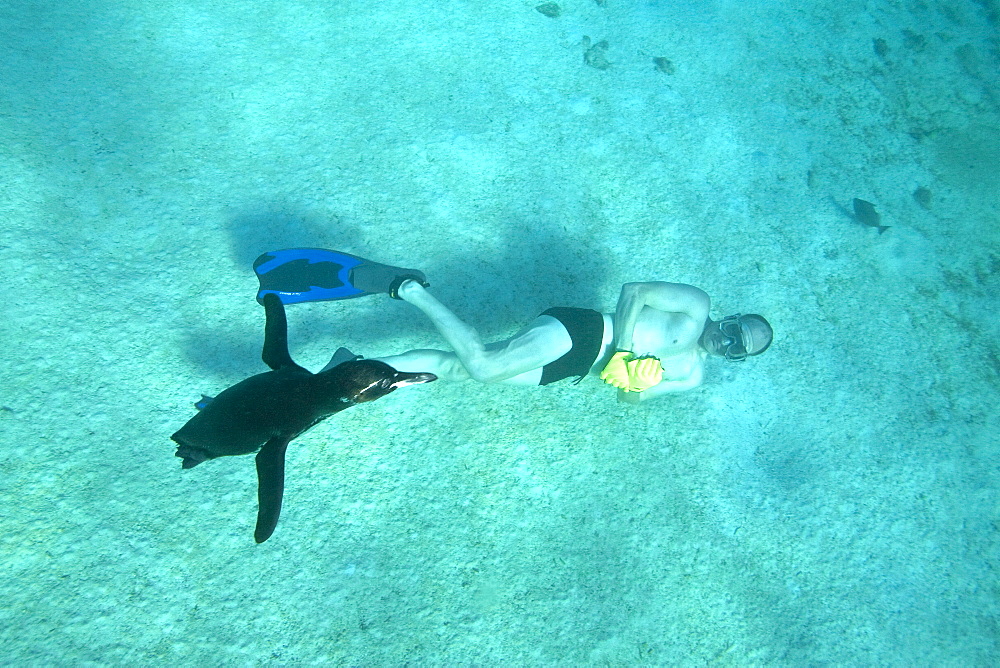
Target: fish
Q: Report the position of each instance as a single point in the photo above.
(865, 213)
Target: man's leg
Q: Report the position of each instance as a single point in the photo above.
(518, 360)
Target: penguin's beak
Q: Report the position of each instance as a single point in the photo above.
(403, 378)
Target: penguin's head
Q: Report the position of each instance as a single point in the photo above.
(358, 381)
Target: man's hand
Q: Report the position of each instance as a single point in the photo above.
(643, 373)
(630, 373)
(615, 372)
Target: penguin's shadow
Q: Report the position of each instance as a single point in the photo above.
(539, 267)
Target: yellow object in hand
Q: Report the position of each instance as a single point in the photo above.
(615, 372)
(643, 373)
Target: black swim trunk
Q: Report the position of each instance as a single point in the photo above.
(586, 329)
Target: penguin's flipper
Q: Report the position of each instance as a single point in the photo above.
(270, 486)
(275, 353)
(342, 355)
(299, 275)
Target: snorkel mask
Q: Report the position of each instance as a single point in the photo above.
(739, 335)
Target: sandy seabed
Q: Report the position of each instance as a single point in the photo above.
(832, 502)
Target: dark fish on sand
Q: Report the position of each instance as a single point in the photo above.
(865, 213)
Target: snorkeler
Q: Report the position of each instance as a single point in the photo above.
(655, 343)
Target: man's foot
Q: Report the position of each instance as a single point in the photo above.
(407, 285)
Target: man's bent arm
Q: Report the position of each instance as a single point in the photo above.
(663, 296)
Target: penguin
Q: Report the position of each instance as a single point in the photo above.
(269, 410)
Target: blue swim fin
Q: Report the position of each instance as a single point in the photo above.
(299, 275)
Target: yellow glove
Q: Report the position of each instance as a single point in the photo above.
(643, 373)
(615, 372)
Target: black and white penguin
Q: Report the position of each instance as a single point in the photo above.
(270, 409)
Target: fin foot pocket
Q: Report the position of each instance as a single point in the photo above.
(399, 280)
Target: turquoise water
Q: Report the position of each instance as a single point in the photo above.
(831, 502)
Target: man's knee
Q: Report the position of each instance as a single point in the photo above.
(484, 375)
(483, 371)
